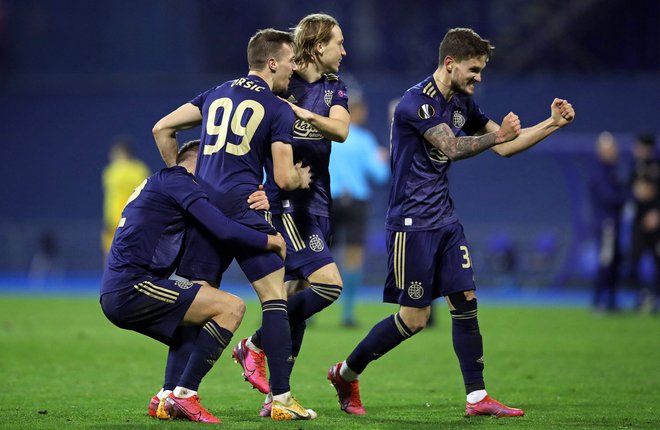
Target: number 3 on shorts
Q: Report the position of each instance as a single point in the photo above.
(466, 257)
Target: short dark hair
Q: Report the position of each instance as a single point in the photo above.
(464, 44)
(187, 150)
(646, 139)
(266, 44)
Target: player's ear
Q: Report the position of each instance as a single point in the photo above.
(319, 48)
(272, 64)
(449, 63)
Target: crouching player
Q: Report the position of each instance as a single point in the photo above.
(194, 319)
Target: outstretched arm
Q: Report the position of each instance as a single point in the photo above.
(185, 117)
(457, 148)
(562, 114)
(224, 228)
(333, 127)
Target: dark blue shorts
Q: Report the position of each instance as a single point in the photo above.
(152, 306)
(307, 238)
(206, 258)
(425, 265)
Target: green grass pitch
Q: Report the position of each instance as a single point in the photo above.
(63, 365)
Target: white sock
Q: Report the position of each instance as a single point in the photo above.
(163, 393)
(252, 346)
(269, 398)
(284, 398)
(476, 396)
(346, 373)
(183, 393)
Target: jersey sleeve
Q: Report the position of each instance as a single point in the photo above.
(180, 185)
(419, 111)
(224, 228)
(199, 99)
(340, 95)
(283, 124)
(476, 120)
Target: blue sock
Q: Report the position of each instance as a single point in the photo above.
(210, 343)
(297, 334)
(383, 337)
(352, 280)
(179, 354)
(468, 346)
(302, 306)
(276, 343)
(312, 300)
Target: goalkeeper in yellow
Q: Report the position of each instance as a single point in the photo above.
(120, 178)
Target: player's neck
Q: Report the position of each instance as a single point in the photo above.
(309, 72)
(267, 78)
(443, 82)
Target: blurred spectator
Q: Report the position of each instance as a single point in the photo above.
(354, 165)
(608, 195)
(502, 260)
(120, 178)
(645, 184)
(46, 263)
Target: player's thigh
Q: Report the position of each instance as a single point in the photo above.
(411, 264)
(307, 237)
(454, 272)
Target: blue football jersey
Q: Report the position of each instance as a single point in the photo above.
(309, 145)
(151, 229)
(419, 194)
(241, 119)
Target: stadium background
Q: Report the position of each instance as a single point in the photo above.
(74, 74)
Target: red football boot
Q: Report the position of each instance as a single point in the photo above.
(254, 366)
(490, 406)
(189, 408)
(348, 392)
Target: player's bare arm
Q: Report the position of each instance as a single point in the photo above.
(333, 127)
(185, 117)
(287, 175)
(457, 148)
(561, 114)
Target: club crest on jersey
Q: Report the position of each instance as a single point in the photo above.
(426, 111)
(315, 243)
(327, 97)
(415, 290)
(184, 285)
(457, 119)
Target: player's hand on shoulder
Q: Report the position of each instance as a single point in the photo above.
(259, 200)
(305, 175)
(509, 129)
(562, 112)
(276, 243)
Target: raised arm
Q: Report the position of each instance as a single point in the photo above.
(561, 114)
(333, 127)
(457, 148)
(185, 117)
(287, 175)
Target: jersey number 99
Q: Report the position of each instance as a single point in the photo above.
(233, 119)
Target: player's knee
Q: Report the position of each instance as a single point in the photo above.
(463, 309)
(329, 292)
(415, 319)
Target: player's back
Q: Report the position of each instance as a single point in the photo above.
(150, 234)
(241, 119)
